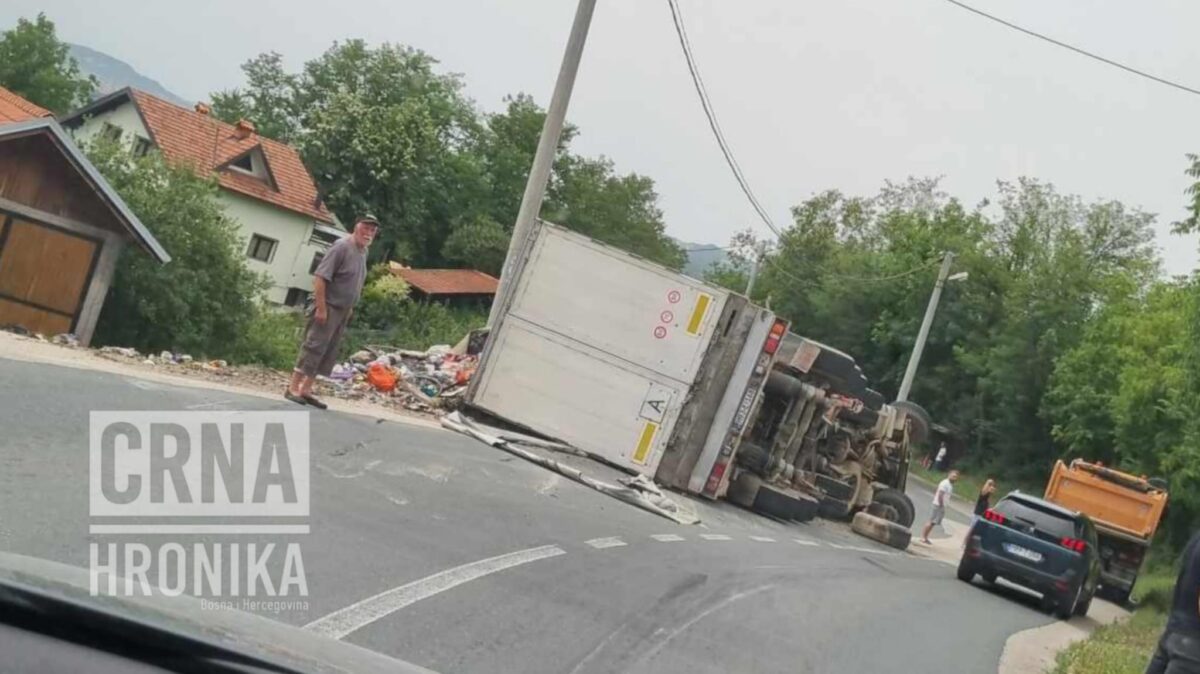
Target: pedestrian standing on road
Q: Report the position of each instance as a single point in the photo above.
(1178, 650)
(939, 462)
(985, 497)
(337, 284)
(941, 498)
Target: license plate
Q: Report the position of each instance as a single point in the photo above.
(1023, 553)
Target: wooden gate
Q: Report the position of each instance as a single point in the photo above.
(44, 275)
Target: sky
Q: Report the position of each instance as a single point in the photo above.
(811, 95)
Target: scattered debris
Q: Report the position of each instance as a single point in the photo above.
(66, 339)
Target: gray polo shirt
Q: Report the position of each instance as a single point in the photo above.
(344, 269)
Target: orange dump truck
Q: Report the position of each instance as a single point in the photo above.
(1125, 508)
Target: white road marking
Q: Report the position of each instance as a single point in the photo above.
(360, 614)
(199, 529)
(762, 539)
(602, 543)
(805, 541)
(856, 548)
(666, 538)
(215, 403)
(715, 537)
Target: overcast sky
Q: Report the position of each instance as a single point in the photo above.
(811, 95)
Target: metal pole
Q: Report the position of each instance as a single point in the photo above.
(915, 358)
(543, 160)
(754, 270)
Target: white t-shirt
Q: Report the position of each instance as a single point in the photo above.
(944, 489)
(941, 454)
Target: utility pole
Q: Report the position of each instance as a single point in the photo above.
(915, 358)
(759, 254)
(543, 160)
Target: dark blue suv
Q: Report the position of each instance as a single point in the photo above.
(1038, 545)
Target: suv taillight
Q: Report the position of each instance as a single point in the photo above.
(993, 516)
(1073, 544)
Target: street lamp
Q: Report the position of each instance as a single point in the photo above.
(914, 359)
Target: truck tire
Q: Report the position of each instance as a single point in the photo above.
(879, 529)
(899, 501)
(750, 491)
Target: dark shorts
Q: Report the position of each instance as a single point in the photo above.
(319, 350)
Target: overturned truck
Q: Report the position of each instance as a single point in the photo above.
(668, 377)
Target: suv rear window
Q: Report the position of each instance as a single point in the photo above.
(1043, 520)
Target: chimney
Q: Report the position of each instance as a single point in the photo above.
(243, 129)
(203, 108)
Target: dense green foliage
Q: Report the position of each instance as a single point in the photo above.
(204, 299)
(1063, 341)
(37, 66)
(384, 132)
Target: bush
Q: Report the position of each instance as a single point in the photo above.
(271, 339)
(383, 298)
(203, 300)
(416, 325)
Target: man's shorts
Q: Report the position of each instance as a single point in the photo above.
(939, 512)
(318, 353)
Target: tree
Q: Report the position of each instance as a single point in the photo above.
(269, 99)
(36, 65)
(204, 299)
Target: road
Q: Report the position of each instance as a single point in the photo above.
(594, 585)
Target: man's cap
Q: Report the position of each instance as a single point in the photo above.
(369, 219)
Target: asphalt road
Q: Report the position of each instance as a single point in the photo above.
(393, 505)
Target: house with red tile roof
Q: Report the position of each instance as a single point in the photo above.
(264, 185)
(449, 286)
(13, 108)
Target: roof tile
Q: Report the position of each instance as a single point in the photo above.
(13, 108)
(448, 281)
(207, 143)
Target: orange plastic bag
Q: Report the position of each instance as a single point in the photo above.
(381, 377)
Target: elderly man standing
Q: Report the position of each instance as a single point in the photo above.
(337, 283)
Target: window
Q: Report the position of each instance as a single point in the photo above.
(296, 297)
(262, 248)
(317, 257)
(244, 163)
(322, 238)
(1042, 520)
(141, 146)
(111, 132)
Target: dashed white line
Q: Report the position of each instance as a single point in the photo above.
(805, 541)
(715, 537)
(360, 614)
(602, 543)
(762, 539)
(856, 548)
(666, 538)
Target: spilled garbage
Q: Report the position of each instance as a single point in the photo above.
(416, 380)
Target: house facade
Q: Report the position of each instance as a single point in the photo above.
(264, 186)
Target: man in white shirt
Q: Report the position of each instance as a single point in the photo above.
(941, 498)
(939, 462)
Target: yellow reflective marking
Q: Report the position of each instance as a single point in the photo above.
(643, 445)
(702, 302)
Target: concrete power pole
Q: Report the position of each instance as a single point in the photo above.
(543, 160)
(915, 358)
(759, 253)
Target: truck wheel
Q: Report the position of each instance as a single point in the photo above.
(899, 502)
(1064, 608)
(879, 529)
(1082, 606)
(965, 573)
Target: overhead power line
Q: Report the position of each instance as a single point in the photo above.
(712, 119)
(1077, 50)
